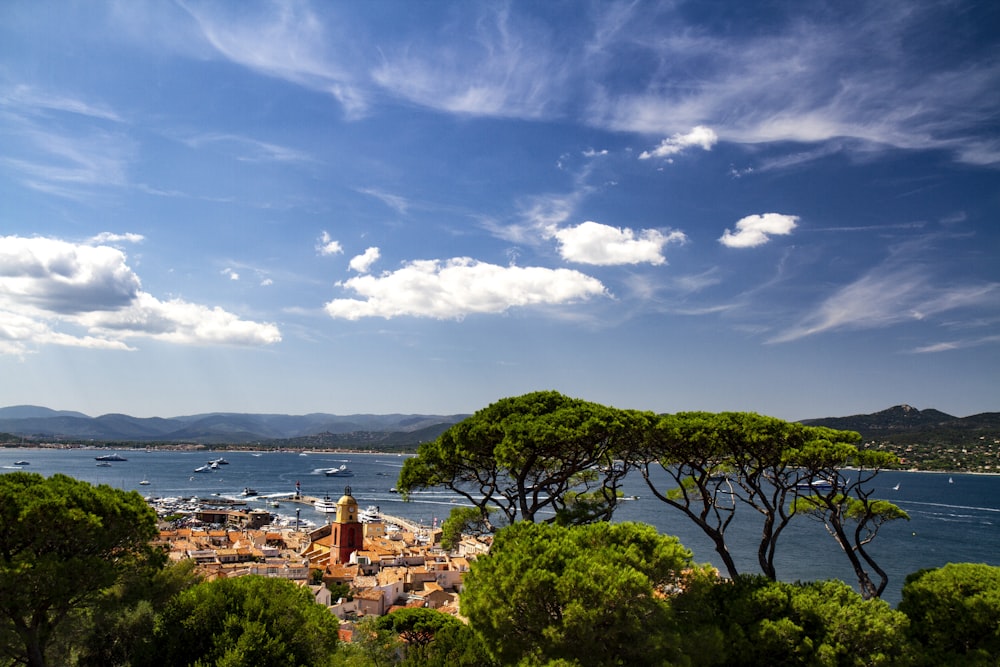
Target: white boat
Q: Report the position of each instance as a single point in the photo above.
(342, 471)
(144, 482)
(815, 485)
(326, 505)
(247, 491)
(21, 463)
(896, 488)
(369, 515)
(111, 457)
(219, 461)
(203, 469)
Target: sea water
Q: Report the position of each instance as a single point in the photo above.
(953, 518)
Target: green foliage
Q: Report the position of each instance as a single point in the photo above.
(248, 621)
(62, 542)
(462, 520)
(955, 613)
(591, 593)
(755, 621)
(529, 454)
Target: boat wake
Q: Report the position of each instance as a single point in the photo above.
(953, 507)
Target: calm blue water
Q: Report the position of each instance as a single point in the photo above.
(950, 522)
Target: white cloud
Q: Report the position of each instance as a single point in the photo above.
(700, 135)
(328, 246)
(755, 230)
(51, 289)
(894, 292)
(454, 288)
(594, 243)
(231, 274)
(111, 237)
(290, 42)
(498, 68)
(362, 263)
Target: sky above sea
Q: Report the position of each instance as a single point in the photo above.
(294, 207)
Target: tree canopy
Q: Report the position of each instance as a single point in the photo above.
(540, 456)
(592, 593)
(248, 621)
(955, 613)
(62, 542)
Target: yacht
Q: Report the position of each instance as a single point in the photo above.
(326, 505)
(369, 515)
(144, 482)
(110, 457)
(219, 461)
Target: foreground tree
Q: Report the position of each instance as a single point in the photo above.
(62, 542)
(532, 456)
(595, 593)
(718, 462)
(954, 613)
(845, 505)
(755, 621)
(248, 621)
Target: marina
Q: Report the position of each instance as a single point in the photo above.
(953, 518)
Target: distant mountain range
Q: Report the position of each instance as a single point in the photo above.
(35, 423)
(907, 421)
(38, 423)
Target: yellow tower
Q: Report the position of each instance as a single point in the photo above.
(347, 530)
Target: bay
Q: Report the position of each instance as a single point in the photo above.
(953, 518)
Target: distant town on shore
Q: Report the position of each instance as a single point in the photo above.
(922, 439)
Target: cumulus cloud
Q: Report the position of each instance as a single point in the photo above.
(231, 274)
(755, 230)
(61, 293)
(362, 263)
(594, 243)
(700, 135)
(454, 288)
(327, 246)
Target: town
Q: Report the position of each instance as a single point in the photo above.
(383, 562)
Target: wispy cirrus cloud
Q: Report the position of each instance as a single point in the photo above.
(901, 289)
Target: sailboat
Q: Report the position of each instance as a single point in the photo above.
(951, 481)
(144, 482)
(896, 488)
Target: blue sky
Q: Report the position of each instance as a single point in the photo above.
(788, 208)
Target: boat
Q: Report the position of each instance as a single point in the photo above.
(951, 481)
(110, 457)
(369, 515)
(247, 491)
(325, 505)
(144, 482)
(815, 485)
(103, 464)
(21, 463)
(213, 465)
(203, 469)
(342, 471)
(896, 488)
(219, 461)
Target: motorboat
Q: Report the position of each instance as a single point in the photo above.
(342, 471)
(103, 464)
(247, 491)
(21, 463)
(144, 482)
(369, 515)
(325, 505)
(816, 485)
(110, 457)
(219, 461)
(203, 469)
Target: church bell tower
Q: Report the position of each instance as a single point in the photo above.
(346, 529)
